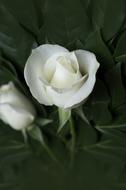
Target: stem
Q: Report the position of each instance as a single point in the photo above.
(36, 133)
(73, 140)
(50, 153)
(24, 133)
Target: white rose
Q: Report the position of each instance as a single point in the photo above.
(58, 77)
(15, 108)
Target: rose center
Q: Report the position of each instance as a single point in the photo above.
(65, 74)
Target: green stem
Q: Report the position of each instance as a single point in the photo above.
(50, 153)
(73, 140)
(24, 133)
(36, 133)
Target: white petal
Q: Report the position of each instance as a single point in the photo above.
(9, 94)
(87, 61)
(82, 93)
(60, 99)
(68, 60)
(88, 64)
(32, 74)
(17, 118)
(6, 87)
(74, 61)
(82, 79)
(62, 78)
(48, 50)
(34, 70)
(49, 69)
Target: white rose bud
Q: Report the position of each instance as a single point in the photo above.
(58, 77)
(15, 108)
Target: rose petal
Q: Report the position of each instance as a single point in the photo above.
(87, 61)
(34, 70)
(68, 60)
(33, 73)
(60, 99)
(49, 69)
(78, 82)
(9, 94)
(82, 79)
(15, 117)
(74, 61)
(48, 50)
(89, 64)
(62, 78)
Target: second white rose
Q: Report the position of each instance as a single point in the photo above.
(58, 77)
(15, 109)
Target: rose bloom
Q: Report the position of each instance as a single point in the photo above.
(15, 109)
(58, 77)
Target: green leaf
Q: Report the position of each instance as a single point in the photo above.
(12, 148)
(25, 13)
(114, 9)
(120, 51)
(5, 76)
(114, 82)
(107, 150)
(121, 110)
(80, 113)
(100, 113)
(44, 121)
(94, 43)
(7, 65)
(103, 14)
(36, 134)
(97, 107)
(96, 11)
(111, 126)
(116, 134)
(15, 42)
(119, 118)
(63, 23)
(86, 134)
